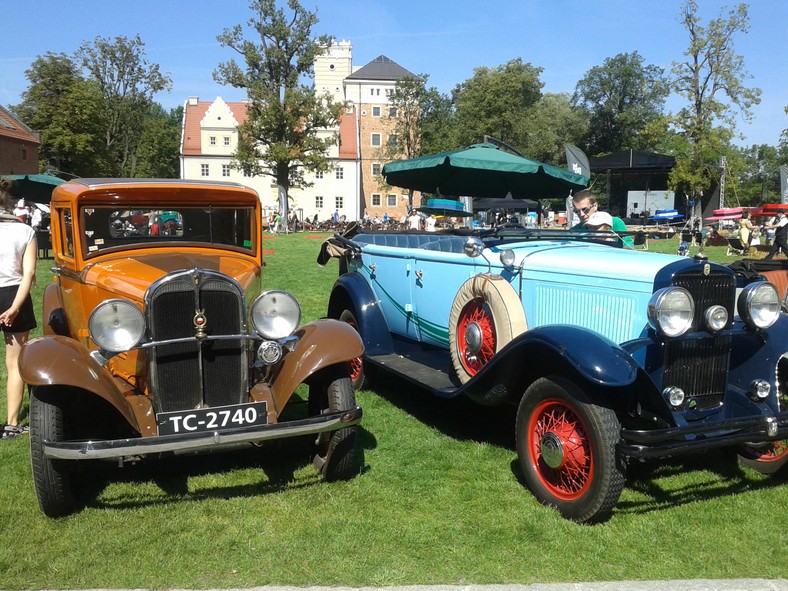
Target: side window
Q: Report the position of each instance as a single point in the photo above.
(67, 233)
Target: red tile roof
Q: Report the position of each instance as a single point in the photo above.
(193, 114)
(12, 127)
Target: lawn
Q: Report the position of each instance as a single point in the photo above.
(438, 500)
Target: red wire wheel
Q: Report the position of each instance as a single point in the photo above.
(356, 366)
(567, 438)
(476, 340)
(485, 315)
(766, 461)
(560, 450)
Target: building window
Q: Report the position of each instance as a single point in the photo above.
(376, 111)
(213, 140)
(319, 174)
(375, 199)
(340, 202)
(340, 173)
(225, 170)
(392, 112)
(375, 139)
(203, 170)
(318, 201)
(23, 155)
(391, 200)
(227, 140)
(376, 169)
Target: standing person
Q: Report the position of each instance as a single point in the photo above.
(584, 204)
(429, 223)
(414, 220)
(745, 229)
(18, 251)
(780, 227)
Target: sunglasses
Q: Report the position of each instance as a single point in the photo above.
(584, 210)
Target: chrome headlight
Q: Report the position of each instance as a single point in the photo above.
(275, 314)
(116, 325)
(507, 257)
(671, 310)
(759, 304)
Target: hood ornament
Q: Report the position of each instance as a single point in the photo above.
(200, 322)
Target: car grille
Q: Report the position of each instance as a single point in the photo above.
(196, 373)
(700, 366)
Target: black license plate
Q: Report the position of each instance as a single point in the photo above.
(212, 419)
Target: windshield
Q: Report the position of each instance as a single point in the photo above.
(113, 227)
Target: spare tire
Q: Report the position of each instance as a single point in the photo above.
(486, 314)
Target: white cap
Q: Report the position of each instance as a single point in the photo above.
(599, 218)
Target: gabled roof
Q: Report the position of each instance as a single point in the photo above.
(632, 161)
(193, 115)
(381, 68)
(12, 127)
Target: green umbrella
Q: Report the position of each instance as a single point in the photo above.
(482, 170)
(33, 187)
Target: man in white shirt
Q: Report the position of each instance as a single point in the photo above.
(414, 221)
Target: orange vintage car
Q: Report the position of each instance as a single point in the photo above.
(158, 338)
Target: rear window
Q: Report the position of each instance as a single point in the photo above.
(112, 227)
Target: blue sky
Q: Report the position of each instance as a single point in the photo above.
(446, 39)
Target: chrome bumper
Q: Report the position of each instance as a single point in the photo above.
(187, 443)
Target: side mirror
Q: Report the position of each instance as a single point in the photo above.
(473, 247)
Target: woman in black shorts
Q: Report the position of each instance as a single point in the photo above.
(18, 253)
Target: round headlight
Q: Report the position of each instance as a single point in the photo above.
(759, 304)
(275, 314)
(116, 325)
(671, 310)
(716, 317)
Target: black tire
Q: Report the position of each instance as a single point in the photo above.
(769, 460)
(566, 447)
(333, 454)
(51, 478)
(360, 373)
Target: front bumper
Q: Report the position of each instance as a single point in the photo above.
(191, 443)
(656, 443)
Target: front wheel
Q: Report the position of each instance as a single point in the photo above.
(51, 478)
(333, 454)
(566, 446)
(359, 374)
(768, 460)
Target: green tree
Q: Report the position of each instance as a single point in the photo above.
(127, 82)
(495, 100)
(622, 97)
(158, 150)
(68, 112)
(711, 80)
(549, 124)
(285, 133)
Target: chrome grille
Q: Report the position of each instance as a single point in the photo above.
(700, 366)
(196, 373)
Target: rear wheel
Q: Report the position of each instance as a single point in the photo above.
(359, 374)
(768, 460)
(52, 478)
(566, 446)
(333, 454)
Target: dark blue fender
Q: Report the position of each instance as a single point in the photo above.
(351, 291)
(593, 356)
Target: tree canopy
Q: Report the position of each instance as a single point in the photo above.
(287, 130)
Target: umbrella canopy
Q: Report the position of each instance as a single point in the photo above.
(505, 203)
(445, 207)
(34, 187)
(482, 170)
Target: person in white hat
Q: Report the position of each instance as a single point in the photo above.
(600, 221)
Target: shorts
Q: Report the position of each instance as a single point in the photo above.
(26, 319)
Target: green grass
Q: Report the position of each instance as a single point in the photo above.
(438, 500)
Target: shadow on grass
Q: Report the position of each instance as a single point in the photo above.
(459, 418)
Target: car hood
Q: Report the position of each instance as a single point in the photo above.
(130, 277)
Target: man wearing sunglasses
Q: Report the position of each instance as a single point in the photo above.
(584, 205)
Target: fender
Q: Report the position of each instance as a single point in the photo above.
(550, 349)
(352, 291)
(321, 343)
(61, 361)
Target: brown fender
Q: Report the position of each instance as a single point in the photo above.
(61, 361)
(321, 343)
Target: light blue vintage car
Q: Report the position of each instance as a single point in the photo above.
(609, 353)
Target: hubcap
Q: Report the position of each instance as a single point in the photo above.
(473, 338)
(552, 450)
